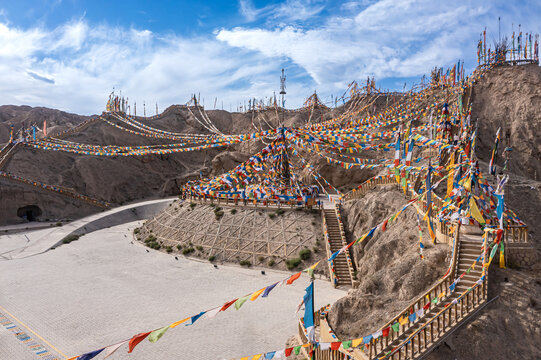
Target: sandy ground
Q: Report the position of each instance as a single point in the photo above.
(103, 289)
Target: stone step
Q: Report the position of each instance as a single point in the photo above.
(467, 258)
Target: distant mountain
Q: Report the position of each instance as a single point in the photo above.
(26, 115)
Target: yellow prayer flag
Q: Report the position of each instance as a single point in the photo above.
(403, 320)
(175, 324)
(356, 342)
(475, 212)
(256, 294)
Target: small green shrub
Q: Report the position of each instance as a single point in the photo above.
(212, 258)
(179, 247)
(280, 212)
(261, 258)
(272, 215)
(169, 249)
(150, 238)
(271, 262)
(292, 263)
(70, 238)
(219, 214)
(246, 263)
(298, 209)
(187, 251)
(314, 211)
(154, 245)
(315, 249)
(218, 209)
(136, 231)
(199, 248)
(305, 254)
(192, 205)
(233, 211)
(58, 224)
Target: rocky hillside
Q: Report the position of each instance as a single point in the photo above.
(25, 115)
(510, 98)
(389, 268)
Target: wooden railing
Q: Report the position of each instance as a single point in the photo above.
(426, 336)
(447, 318)
(441, 287)
(516, 234)
(256, 203)
(344, 243)
(319, 320)
(365, 187)
(74, 129)
(326, 239)
(5, 149)
(7, 154)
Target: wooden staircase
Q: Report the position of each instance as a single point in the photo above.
(448, 304)
(341, 267)
(6, 153)
(417, 339)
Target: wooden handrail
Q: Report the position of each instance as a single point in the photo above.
(7, 155)
(472, 297)
(365, 186)
(262, 203)
(516, 234)
(436, 289)
(344, 242)
(334, 280)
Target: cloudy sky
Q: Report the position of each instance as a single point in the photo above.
(69, 54)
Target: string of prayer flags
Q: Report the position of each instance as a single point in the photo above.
(492, 164)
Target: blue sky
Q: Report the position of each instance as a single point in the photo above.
(69, 54)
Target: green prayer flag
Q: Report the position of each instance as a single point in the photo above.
(241, 301)
(347, 344)
(297, 349)
(468, 271)
(435, 300)
(157, 334)
(396, 327)
(493, 252)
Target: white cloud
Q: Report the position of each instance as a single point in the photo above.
(74, 67)
(385, 39)
(249, 11)
(294, 10)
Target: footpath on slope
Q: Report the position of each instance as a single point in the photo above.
(23, 245)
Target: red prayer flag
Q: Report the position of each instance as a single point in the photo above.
(136, 340)
(384, 227)
(288, 351)
(228, 304)
(385, 332)
(335, 345)
(293, 278)
(427, 306)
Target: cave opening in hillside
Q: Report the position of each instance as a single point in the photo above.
(29, 212)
